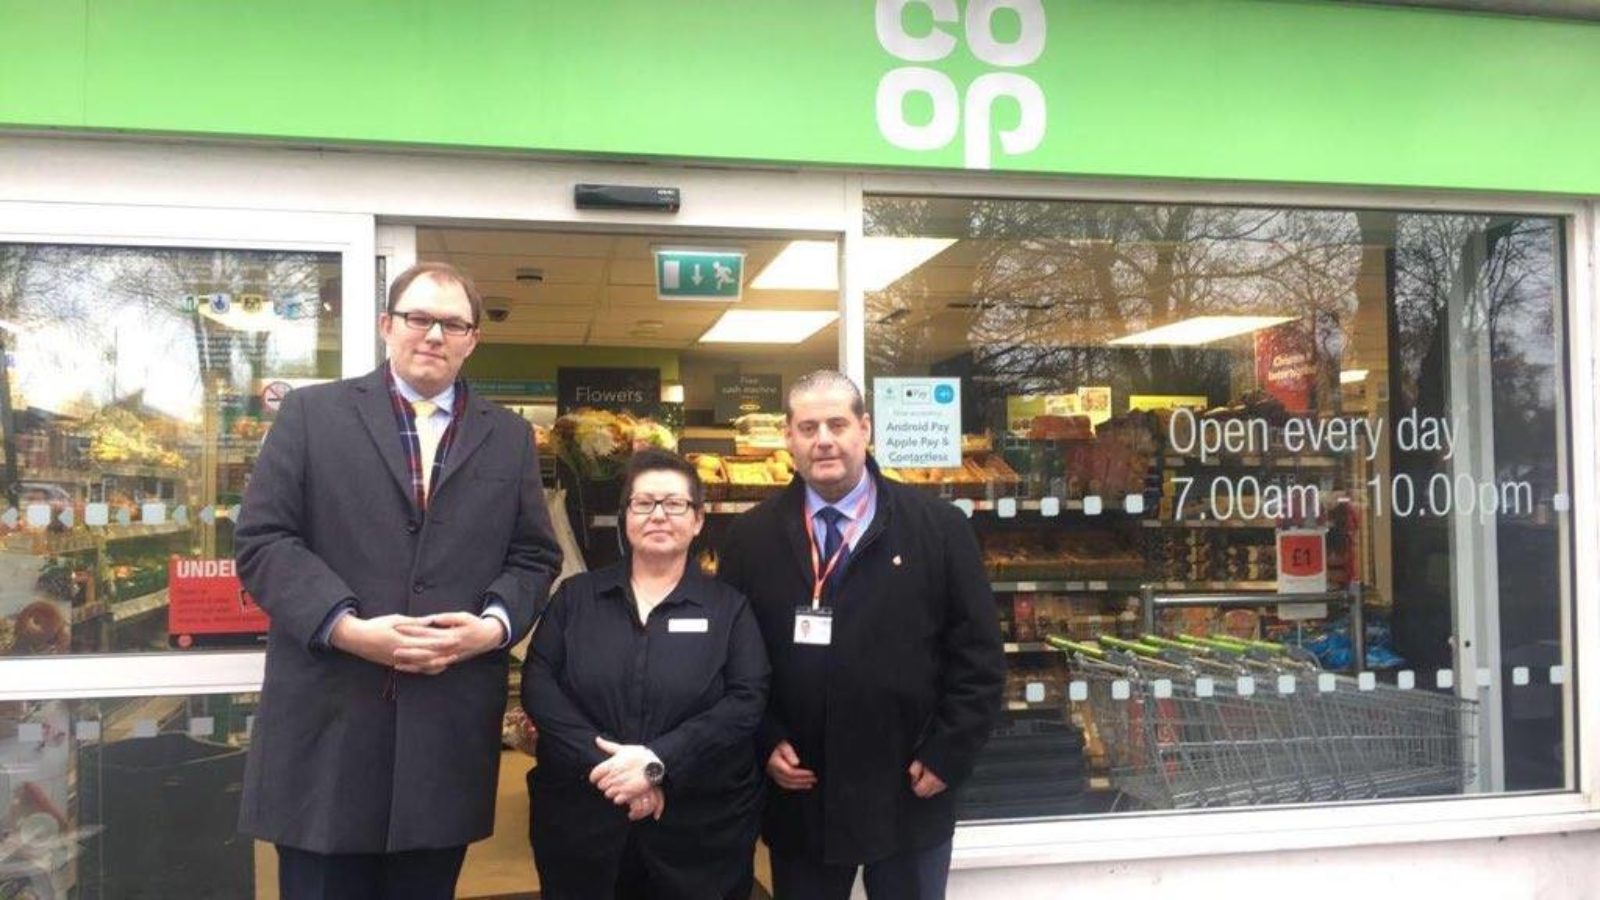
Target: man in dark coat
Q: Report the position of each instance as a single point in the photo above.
(887, 664)
(395, 532)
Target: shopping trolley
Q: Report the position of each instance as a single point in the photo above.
(1217, 721)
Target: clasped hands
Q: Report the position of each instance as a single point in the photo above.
(621, 778)
(425, 645)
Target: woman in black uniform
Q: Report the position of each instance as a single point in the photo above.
(646, 681)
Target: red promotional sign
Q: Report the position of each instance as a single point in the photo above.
(1302, 561)
(207, 599)
(1286, 365)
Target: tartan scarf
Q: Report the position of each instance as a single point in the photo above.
(405, 417)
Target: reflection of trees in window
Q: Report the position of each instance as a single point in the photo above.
(93, 325)
(1479, 296)
(1504, 274)
(1047, 281)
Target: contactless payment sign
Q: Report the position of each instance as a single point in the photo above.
(918, 422)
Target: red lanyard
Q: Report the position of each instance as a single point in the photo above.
(817, 571)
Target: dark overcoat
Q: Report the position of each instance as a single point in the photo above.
(915, 670)
(348, 756)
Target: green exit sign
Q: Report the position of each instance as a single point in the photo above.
(699, 274)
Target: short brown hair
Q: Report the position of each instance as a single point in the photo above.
(443, 273)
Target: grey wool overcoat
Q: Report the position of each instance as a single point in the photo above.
(348, 756)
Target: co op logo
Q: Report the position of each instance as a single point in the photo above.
(972, 114)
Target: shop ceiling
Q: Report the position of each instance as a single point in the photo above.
(598, 290)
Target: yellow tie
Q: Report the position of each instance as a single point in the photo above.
(427, 439)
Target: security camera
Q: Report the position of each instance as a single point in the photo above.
(497, 313)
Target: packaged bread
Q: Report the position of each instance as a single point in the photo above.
(709, 467)
(1061, 428)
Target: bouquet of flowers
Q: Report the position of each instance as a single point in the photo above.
(596, 443)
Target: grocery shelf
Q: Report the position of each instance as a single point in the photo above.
(1036, 505)
(1023, 505)
(95, 536)
(88, 612)
(118, 722)
(1030, 505)
(1286, 461)
(92, 476)
(139, 606)
(1265, 587)
(1077, 586)
(1023, 705)
(237, 457)
(730, 506)
(1029, 647)
(1131, 586)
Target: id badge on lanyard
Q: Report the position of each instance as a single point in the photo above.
(814, 624)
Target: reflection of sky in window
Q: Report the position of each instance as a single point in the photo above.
(103, 324)
(64, 365)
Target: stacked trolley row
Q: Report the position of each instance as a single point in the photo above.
(1203, 722)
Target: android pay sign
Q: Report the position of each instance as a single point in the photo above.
(917, 422)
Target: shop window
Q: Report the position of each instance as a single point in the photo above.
(1275, 502)
(127, 797)
(136, 386)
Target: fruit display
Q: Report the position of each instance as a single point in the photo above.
(709, 467)
(743, 477)
(247, 428)
(118, 436)
(137, 577)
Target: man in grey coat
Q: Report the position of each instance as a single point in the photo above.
(395, 532)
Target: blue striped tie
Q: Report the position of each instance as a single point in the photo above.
(833, 542)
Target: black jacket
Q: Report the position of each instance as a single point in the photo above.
(915, 670)
(691, 684)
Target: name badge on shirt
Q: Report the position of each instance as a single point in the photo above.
(813, 626)
(690, 626)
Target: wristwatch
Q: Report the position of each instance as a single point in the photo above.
(655, 772)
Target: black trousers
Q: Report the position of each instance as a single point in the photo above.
(634, 876)
(408, 875)
(914, 875)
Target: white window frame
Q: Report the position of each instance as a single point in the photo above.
(351, 236)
